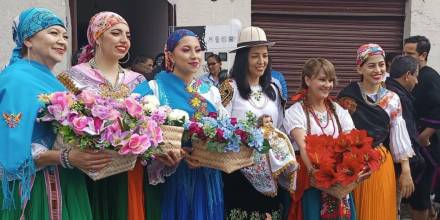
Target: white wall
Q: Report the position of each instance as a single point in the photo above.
(423, 18)
(12, 8)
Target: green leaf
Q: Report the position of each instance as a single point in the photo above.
(266, 147)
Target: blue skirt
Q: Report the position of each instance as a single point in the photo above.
(193, 194)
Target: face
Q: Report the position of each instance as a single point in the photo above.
(373, 70)
(319, 86)
(267, 121)
(411, 50)
(48, 46)
(258, 60)
(411, 80)
(145, 67)
(115, 42)
(214, 66)
(187, 55)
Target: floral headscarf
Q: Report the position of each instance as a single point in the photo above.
(367, 50)
(27, 24)
(98, 24)
(172, 42)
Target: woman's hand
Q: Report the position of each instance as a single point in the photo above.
(363, 175)
(406, 184)
(171, 158)
(89, 159)
(190, 160)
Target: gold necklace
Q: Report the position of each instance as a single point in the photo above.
(117, 91)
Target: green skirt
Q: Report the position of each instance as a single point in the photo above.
(75, 200)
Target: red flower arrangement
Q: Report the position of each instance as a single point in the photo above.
(340, 160)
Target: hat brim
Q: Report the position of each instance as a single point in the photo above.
(269, 44)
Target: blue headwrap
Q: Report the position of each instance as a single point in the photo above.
(28, 23)
(172, 42)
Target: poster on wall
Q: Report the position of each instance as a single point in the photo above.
(220, 37)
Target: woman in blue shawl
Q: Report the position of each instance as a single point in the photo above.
(33, 185)
(189, 192)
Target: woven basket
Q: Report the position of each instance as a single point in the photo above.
(172, 138)
(119, 164)
(226, 162)
(339, 191)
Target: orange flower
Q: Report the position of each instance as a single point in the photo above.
(349, 169)
(325, 177)
(373, 159)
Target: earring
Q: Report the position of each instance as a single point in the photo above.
(126, 61)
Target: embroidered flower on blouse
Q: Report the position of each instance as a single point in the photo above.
(348, 104)
(12, 119)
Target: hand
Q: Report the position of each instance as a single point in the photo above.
(363, 175)
(406, 184)
(171, 158)
(89, 159)
(424, 140)
(190, 160)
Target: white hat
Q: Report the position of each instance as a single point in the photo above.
(252, 37)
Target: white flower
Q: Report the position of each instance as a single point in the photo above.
(150, 103)
(177, 115)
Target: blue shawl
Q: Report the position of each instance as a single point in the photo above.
(20, 85)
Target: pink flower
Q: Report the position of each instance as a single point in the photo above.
(88, 98)
(234, 121)
(59, 112)
(154, 131)
(137, 144)
(61, 98)
(80, 124)
(213, 115)
(159, 115)
(104, 112)
(243, 135)
(134, 108)
(111, 133)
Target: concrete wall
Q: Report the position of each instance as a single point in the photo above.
(423, 19)
(11, 9)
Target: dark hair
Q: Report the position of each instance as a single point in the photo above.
(215, 56)
(423, 44)
(390, 56)
(402, 65)
(313, 66)
(239, 73)
(141, 59)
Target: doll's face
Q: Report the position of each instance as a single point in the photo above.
(267, 121)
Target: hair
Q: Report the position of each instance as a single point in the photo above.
(215, 56)
(403, 64)
(423, 44)
(240, 71)
(141, 59)
(260, 120)
(389, 57)
(313, 66)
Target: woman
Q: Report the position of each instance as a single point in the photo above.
(313, 113)
(250, 89)
(378, 111)
(28, 164)
(108, 35)
(216, 75)
(190, 193)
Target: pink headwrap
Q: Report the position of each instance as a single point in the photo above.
(367, 50)
(98, 24)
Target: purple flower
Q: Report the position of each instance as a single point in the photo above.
(104, 112)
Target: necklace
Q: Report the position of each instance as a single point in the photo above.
(117, 91)
(367, 99)
(329, 118)
(257, 98)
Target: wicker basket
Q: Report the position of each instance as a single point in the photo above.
(227, 162)
(172, 138)
(119, 164)
(339, 191)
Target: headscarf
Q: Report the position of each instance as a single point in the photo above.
(27, 24)
(366, 51)
(98, 24)
(172, 42)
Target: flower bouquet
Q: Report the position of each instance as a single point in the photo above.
(90, 121)
(225, 143)
(170, 120)
(338, 162)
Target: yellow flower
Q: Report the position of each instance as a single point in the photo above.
(190, 89)
(195, 102)
(44, 98)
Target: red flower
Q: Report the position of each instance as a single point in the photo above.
(233, 121)
(243, 135)
(373, 159)
(348, 171)
(299, 96)
(318, 150)
(194, 128)
(342, 144)
(325, 177)
(213, 115)
(219, 135)
(360, 139)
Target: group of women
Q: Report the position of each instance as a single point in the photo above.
(37, 185)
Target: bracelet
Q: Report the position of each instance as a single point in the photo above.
(65, 162)
(310, 172)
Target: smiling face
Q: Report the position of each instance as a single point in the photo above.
(319, 85)
(373, 70)
(115, 42)
(47, 46)
(214, 66)
(187, 56)
(258, 60)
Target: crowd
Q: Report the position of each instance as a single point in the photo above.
(401, 112)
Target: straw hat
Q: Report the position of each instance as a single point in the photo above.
(252, 37)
